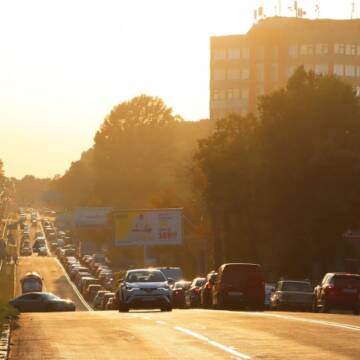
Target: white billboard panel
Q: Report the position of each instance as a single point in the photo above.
(88, 217)
(148, 227)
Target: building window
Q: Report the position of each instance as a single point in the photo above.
(274, 53)
(219, 54)
(233, 94)
(260, 72)
(260, 90)
(245, 52)
(219, 74)
(321, 69)
(351, 49)
(233, 53)
(307, 49)
(260, 53)
(274, 72)
(245, 94)
(219, 94)
(350, 70)
(293, 51)
(322, 49)
(339, 69)
(245, 74)
(233, 74)
(339, 49)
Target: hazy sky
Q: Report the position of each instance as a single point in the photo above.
(64, 64)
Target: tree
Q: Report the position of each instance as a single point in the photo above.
(282, 189)
(134, 152)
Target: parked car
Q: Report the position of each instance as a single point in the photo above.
(192, 295)
(290, 294)
(144, 288)
(239, 284)
(105, 300)
(205, 292)
(92, 290)
(98, 299)
(41, 301)
(338, 291)
(86, 281)
(172, 273)
(269, 289)
(178, 291)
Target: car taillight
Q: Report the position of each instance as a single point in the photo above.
(209, 286)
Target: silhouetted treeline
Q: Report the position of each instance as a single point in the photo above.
(279, 188)
(282, 188)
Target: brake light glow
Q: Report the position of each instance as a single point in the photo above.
(209, 286)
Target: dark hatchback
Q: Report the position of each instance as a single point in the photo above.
(239, 284)
(40, 302)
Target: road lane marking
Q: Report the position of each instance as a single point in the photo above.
(160, 322)
(295, 318)
(225, 348)
(77, 292)
(146, 318)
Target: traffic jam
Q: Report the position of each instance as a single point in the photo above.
(235, 286)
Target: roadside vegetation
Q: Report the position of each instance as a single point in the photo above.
(279, 188)
(7, 292)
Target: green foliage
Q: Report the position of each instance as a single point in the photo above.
(284, 188)
(7, 312)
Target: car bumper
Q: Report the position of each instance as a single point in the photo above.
(147, 301)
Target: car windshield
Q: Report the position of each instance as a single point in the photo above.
(346, 280)
(200, 282)
(145, 276)
(296, 286)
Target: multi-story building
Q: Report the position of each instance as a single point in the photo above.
(244, 67)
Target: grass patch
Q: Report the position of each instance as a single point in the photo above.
(6, 283)
(7, 312)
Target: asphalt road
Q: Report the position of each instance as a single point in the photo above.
(182, 334)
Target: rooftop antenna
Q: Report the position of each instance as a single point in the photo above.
(317, 9)
(353, 9)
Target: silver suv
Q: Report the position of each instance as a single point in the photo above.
(144, 289)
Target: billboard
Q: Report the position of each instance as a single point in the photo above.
(148, 227)
(91, 217)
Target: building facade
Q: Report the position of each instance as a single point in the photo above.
(244, 67)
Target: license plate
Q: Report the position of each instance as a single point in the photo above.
(235, 293)
(350, 291)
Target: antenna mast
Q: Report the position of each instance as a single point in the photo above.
(317, 9)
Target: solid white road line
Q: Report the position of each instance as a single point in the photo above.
(77, 292)
(160, 322)
(225, 348)
(293, 318)
(83, 301)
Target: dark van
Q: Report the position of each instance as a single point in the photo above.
(239, 284)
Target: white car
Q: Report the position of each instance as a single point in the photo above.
(144, 289)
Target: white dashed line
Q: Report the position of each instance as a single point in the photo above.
(225, 348)
(160, 322)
